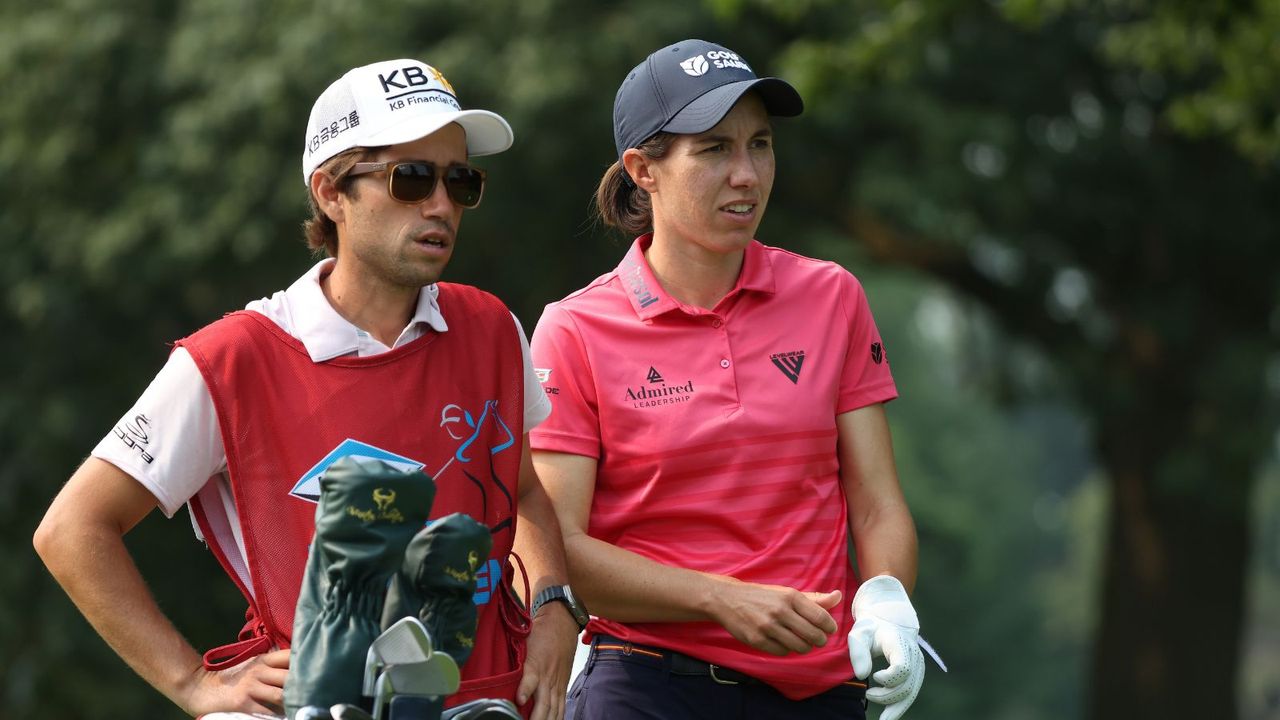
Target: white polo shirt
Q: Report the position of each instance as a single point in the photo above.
(170, 441)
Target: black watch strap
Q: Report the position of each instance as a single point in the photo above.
(562, 593)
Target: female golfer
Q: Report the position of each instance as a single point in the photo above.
(718, 433)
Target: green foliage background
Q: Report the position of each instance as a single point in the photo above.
(1064, 212)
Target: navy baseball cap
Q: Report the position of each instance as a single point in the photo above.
(687, 88)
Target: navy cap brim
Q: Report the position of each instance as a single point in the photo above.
(708, 109)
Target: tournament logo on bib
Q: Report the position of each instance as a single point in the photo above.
(308, 486)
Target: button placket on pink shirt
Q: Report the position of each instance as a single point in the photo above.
(729, 377)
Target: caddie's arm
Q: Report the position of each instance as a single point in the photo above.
(551, 642)
(627, 587)
(81, 541)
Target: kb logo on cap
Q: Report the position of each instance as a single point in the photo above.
(695, 66)
(414, 77)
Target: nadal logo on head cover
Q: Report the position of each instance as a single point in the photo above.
(383, 499)
(459, 575)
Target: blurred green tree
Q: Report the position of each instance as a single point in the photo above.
(1070, 165)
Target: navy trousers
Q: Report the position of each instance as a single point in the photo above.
(617, 685)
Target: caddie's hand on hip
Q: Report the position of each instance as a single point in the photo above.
(776, 619)
(254, 686)
(886, 625)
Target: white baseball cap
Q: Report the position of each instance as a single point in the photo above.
(391, 102)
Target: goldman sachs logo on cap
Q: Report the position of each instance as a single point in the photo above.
(700, 64)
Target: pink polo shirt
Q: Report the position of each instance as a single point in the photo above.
(715, 432)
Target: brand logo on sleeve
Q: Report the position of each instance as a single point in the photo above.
(136, 433)
(544, 374)
(877, 353)
(789, 363)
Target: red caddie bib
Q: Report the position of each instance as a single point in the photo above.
(449, 403)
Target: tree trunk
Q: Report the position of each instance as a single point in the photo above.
(1168, 639)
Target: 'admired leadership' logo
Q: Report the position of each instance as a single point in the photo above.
(648, 396)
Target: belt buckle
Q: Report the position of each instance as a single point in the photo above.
(719, 680)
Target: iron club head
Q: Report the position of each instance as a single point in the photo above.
(405, 642)
(438, 675)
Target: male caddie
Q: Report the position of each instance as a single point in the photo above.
(365, 356)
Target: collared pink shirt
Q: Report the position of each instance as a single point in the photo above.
(715, 433)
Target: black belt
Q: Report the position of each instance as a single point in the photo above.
(679, 663)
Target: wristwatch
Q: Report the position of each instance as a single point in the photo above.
(564, 594)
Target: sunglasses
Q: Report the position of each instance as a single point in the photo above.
(415, 181)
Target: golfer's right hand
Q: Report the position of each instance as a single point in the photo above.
(776, 619)
(254, 686)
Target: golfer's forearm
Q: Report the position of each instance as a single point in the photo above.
(885, 542)
(95, 569)
(624, 586)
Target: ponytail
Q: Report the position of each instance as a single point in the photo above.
(619, 202)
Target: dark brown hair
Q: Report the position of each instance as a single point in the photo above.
(320, 231)
(619, 202)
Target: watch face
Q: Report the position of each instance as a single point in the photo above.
(565, 595)
(577, 608)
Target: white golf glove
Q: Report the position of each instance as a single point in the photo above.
(887, 625)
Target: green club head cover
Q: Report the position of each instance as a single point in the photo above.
(437, 582)
(367, 514)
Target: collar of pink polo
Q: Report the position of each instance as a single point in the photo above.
(649, 299)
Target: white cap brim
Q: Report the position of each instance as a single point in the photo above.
(487, 132)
